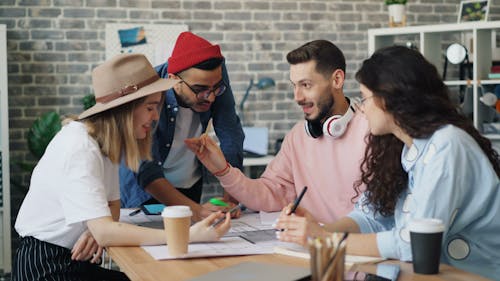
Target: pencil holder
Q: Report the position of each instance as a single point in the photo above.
(327, 257)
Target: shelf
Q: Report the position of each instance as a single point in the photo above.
(457, 82)
(432, 41)
(465, 82)
(490, 81)
(435, 28)
(492, 136)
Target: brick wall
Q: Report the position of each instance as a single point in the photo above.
(54, 44)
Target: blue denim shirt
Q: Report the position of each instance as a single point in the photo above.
(227, 127)
(449, 178)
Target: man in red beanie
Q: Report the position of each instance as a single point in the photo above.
(174, 177)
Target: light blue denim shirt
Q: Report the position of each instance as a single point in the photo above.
(449, 178)
(227, 127)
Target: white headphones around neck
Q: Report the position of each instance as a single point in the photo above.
(334, 126)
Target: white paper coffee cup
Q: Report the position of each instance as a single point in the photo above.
(177, 220)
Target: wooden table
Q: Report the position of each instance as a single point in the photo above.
(140, 266)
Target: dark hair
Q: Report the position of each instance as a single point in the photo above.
(209, 64)
(328, 57)
(411, 90)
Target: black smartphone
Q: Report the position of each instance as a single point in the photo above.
(385, 272)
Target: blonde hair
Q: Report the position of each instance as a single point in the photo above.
(113, 130)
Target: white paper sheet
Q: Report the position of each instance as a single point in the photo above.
(227, 246)
(268, 218)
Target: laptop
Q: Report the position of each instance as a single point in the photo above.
(257, 271)
(256, 141)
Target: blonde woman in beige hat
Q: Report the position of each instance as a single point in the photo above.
(72, 208)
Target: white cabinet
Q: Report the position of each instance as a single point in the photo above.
(432, 41)
(5, 246)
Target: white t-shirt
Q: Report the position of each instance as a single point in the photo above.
(181, 168)
(72, 183)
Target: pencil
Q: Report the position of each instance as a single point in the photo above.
(312, 253)
(204, 135)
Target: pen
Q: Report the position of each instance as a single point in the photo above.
(133, 213)
(230, 211)
(218, 202)
(246, 239)
(295, 204)
(297, 200)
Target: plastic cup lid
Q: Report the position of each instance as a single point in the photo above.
(426, 225)
(177, 212)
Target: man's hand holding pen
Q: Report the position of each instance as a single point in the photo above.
(296, 224)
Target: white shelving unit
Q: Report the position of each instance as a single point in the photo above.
(5, 239)
(432, 41)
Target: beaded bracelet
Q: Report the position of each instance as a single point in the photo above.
(223, 171)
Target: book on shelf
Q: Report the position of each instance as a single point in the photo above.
(495, 69)
(494, 75)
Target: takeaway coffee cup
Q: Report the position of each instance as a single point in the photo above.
(177, 220)
(426, 236)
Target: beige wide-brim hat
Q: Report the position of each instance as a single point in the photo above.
(124, 78)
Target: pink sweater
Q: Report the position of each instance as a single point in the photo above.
(327, 166)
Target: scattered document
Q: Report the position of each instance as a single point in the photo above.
(268, 218)
(227, 246)
(252, 234)
(248, 222)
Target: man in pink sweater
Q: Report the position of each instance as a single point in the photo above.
(323, 152)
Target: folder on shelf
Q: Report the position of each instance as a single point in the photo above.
(494, 75)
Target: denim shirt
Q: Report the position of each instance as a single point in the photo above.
(227, 127)
(449, 178)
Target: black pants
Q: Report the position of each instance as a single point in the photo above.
(36, 260)
(193, 193)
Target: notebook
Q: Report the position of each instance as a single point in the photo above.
(257, 271)
(298, 251)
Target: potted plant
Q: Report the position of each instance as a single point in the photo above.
(397, 12)
(42, 131)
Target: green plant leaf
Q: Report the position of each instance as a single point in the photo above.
(23, 188)
(391, 2)
(88, 101)
(42, 131)
(26, 166)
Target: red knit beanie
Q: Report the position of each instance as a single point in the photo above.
(190, 50)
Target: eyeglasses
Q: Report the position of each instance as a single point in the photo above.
(204, 92)
(362, 101)
(360, 104)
